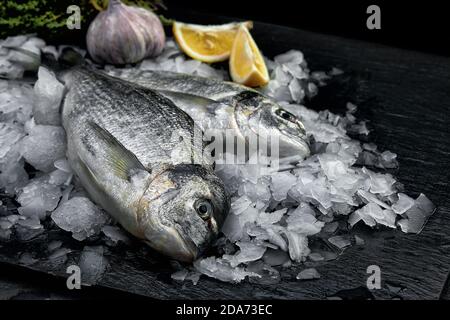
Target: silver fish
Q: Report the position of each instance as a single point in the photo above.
(122, 147)
(221, 105)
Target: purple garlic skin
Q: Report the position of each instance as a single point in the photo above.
(124, 34)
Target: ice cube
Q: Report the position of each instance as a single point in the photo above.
(179, 275)
(388, 160)
(425, 205)
(372, 198)
(13, 177)
(380, 183)
(16, 103)
(220, 269)
(38, 197)
(308, 274)
(52, 146)
(93, 264)
(28, 228)
(249, 251)
(268, 218)
(49, 92)
(298, 246)
(239, 205)
(282, 182)
(81, 217)
(10, 135)
(296, 90)
(303, 222)
(292, 56)
(417, 215)
(332, 166)
(339, 241)
(115, 234)
(403, 204)
(282, 76)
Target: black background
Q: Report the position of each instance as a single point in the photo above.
(421, 25)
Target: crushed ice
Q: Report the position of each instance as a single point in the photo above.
(273, 214)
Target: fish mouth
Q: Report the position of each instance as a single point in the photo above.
(187, 250)
(173, 245)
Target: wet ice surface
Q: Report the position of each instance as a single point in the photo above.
(275, 215)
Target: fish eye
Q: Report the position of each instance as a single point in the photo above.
(286, 115)
(204, 208)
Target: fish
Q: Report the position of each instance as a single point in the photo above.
(160, 186)
(222, 105)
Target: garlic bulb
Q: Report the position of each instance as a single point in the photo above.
(124, 34)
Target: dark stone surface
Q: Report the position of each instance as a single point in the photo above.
(405, 96)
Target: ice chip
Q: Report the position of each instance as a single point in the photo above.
(179, 275)
(52, 146)
(293, 56)
(28, 228)
(298, 246)
(13, 177)
(267, 218)
(220, 269)
(93, 264)
(339, 241)
(81, 217)
(425, 205)
(303, 222)
(267, 274)
(49, 92)
(249, 251)
(38, 197)
(282, 182)
(308, 274)
(115, 234)
(296, 90)
(403, 204)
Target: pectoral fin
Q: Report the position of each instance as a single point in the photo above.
(122, 161)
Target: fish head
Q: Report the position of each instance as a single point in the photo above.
(183, 209)
(264, 117)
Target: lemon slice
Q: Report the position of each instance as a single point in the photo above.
(207, 43)
(247, 64)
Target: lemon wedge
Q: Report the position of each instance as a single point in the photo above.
(207, 43)
(247, 64)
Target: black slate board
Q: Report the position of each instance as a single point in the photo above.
(405, 96)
